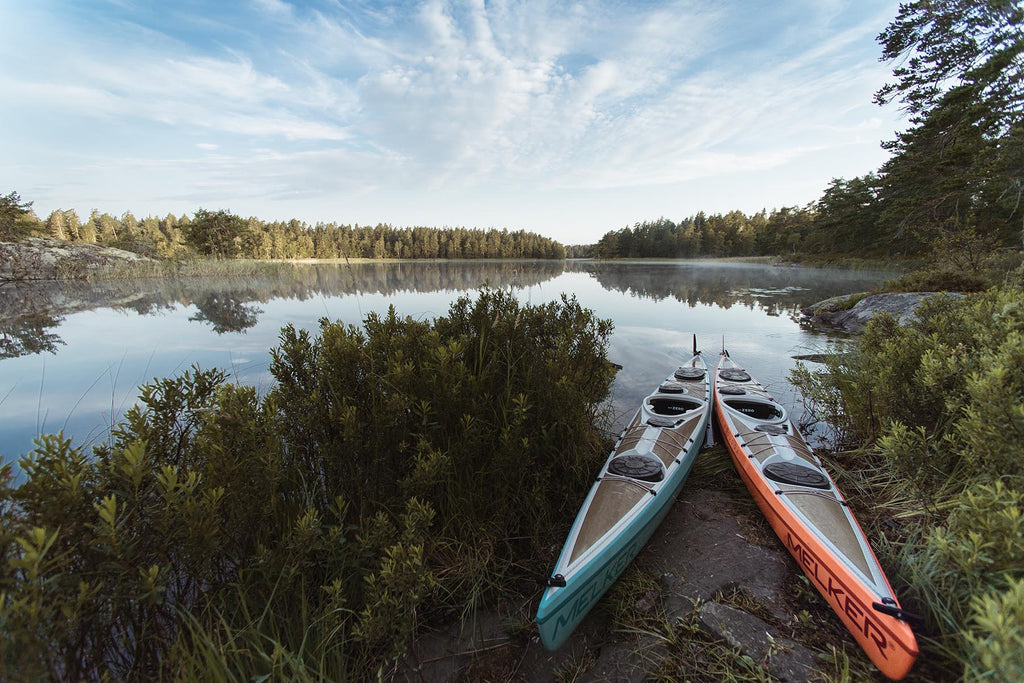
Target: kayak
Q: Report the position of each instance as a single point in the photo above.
(811, 517)
(631, 496)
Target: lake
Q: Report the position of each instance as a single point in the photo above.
(74, 353)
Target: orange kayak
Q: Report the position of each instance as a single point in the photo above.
(811, 517)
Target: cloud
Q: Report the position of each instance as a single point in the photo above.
(354, 98)
(276, 8)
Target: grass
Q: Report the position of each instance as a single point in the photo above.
(689, 653)
(851, 262)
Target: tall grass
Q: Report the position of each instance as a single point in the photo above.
(182, 268)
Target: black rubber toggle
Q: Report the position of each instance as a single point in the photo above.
(914, 620)
(556, 581)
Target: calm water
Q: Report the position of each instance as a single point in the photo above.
(73, 354)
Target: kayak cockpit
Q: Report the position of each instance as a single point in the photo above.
(756, 408)
(667, 410)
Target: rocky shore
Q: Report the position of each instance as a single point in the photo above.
(714, 563)
(46, 258)
(837, 314)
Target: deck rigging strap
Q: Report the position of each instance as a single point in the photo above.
(754, 454)
(649, 488)
(819, 494)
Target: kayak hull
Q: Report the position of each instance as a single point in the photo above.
(622, 510)
(811, 518)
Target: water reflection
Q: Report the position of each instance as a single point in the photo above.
(775, 290)
(72, 354)
(29, 334)
(30, 312)
(226, 311)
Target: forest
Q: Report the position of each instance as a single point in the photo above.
(222, 234)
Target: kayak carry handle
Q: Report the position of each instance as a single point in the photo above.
(556, 581)
(914, 620)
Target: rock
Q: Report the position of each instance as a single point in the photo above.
(45, 258)
(754, 637)
(621, 662)
(708, 544)
(900, 305)
(442, 655)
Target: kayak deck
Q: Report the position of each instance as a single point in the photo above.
(633, 492)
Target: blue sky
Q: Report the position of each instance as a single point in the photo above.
(568, 119)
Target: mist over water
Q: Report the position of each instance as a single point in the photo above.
(73, 354)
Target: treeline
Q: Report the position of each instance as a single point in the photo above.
(225, 235)
(731, 234)
(853, 216)
(847, 219)
(955, 177)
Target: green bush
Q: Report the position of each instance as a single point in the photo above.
(938, 405)
(303, 534)
(996, 635)
(938, 279)
(961, 260)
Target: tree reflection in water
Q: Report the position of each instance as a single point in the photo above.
(29, 334)
(227, 311)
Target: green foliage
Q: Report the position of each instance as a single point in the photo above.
(941, 403)
(487, 414)
(996, 635)
(217, 233)
(732, 234)
(224, 235)
(220, 534)
(940, 278)
(16, 218)
(959, 76)
(847, 218)
(981, 544)
(961, 260)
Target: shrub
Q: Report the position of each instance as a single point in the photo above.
(995, 635)
(488, 414)
(938, 279)
(939, 405)
(301, 534)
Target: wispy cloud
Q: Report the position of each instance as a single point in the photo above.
(343, 99)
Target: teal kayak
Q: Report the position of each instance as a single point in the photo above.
(633, 492)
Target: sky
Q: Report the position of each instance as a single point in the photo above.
(568, 119)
